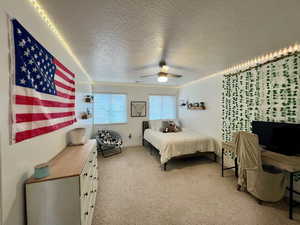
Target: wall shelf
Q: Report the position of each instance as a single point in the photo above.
(196, 108)
(192, 105)
(86, 115)
(88, 99)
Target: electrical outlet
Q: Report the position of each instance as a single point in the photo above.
(129, 136)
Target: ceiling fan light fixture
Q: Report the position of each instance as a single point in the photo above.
(162, 79)
(164, 69)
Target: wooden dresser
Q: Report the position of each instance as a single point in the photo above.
(67, 196)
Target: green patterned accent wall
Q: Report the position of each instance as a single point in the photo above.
(268, 92)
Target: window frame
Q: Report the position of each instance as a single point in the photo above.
(111, 93)
(170, 95)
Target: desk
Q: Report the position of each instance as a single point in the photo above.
(290, 164)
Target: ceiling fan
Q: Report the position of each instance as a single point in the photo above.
(163, 75)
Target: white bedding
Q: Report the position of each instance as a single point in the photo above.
(180, 143)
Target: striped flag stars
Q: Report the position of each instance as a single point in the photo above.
(22, 43)
(27, 52)
(23, 68)
(44, 90)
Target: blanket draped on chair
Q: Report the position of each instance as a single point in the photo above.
(265, 183)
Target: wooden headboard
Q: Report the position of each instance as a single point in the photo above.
(145, 126)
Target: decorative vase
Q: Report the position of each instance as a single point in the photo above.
(77, 136)
(41, 171)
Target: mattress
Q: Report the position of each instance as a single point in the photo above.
(181, 143)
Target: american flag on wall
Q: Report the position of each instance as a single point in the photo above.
(43, 89)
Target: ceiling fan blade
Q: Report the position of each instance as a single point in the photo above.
(145, 76)
(174, 75)
(143, 67)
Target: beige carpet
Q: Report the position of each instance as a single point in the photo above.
(133, 190)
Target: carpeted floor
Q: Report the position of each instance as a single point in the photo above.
(134, 190)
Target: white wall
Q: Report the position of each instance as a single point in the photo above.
(18, 160)
(134, 93)
(209, 121)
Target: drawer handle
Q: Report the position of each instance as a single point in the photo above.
(86, 194)
(85, 174)
(92, 206)
(91, 191)
(90, 161)
(95, 165)
(91, 176)
(86, 213)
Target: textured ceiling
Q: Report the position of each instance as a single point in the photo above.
(119, 40)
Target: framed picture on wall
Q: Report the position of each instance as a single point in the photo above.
(138, 108)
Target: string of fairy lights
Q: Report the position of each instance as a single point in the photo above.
(228, 71)
(43, 14)
(261, 60)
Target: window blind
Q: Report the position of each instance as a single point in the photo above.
(110, 108)
(162, 107)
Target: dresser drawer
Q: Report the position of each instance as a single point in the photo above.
(85, 215)
(89, 217)
(88, 204)
(88, 172)
(84, 181)
(90, 208)
(93, 154)
(88, 183)
(95, 183)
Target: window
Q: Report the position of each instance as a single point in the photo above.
(162, 107)
(110, 108)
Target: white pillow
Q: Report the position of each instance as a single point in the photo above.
(155, 124)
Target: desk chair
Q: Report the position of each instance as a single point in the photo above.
(265, 183)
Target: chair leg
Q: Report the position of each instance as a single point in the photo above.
(102, 152)
(291, 199)
(236, 168)
(222, 162)
(165, 166)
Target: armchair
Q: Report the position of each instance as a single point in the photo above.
(109, 142)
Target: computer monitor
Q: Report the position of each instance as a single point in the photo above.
(283, 138)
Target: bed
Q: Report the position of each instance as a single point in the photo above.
(179, 144)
